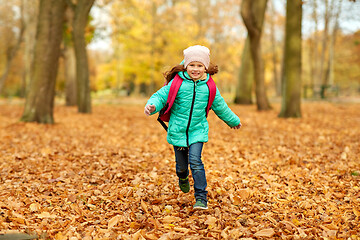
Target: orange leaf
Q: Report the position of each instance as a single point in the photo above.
(113, 221)
(143, 206)
(265, 233)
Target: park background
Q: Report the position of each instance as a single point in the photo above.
(99, 169)
(131, 43)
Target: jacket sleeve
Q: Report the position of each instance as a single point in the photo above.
(223, 111)
(159, 98)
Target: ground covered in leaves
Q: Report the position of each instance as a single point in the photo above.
(111, 175)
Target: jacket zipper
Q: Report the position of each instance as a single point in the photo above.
(191, 111)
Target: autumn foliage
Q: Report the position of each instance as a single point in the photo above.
(111, 175)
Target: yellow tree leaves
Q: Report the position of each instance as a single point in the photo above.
(111, 175)
(148, 38)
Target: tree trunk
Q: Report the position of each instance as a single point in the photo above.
(81, 13)
(40, 97)
(30, 13)
(70, 76)
(246, 77)
(291, 81)
(119, 55)
(313, 50)
(325, 39)
(330, 67)
(253, 13)
(276, 78)
(329, 76)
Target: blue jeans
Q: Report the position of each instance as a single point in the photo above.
(192, 155)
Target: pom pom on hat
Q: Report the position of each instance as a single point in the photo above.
(197, 53)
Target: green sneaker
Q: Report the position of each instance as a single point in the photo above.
(200, 205)
(184, 184)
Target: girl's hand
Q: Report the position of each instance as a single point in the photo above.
(237, 127)
(149, 109)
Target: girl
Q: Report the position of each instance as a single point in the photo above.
(188, 127)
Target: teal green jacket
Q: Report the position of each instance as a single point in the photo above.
(188, 123)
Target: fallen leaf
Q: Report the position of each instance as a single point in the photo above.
(45, 215)
(113, 221)
(143, 206)
(356, 212)
(183, 230)
(35, 207)
(244, 193)
(211, 222)
(17, 220)
(170, 219)
(138, 236)
(60, 236)
(269, 232)
(72, 198)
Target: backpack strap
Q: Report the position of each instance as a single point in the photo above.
(174, 88)
(212, 92)
(165, 112)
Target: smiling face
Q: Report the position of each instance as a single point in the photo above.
(195, 70)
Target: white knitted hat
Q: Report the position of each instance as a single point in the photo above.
(197, 53)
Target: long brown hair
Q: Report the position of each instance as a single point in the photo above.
(169, 75)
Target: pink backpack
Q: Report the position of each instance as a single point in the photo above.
(165, 112)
